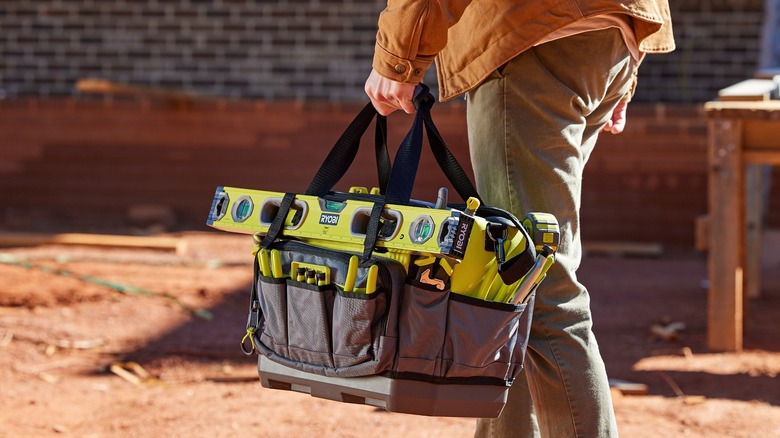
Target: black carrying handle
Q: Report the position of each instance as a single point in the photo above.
(335, 165)
(344, 151)
(396, 182)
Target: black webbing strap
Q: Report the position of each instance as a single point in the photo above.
(253, 319)
(382, 155)
(396, 180)
(254, 298)
(404, 171)
(372, 232)
(407, 159)
(452, 169)
(343, 153)
(278, 222)
(515, 268)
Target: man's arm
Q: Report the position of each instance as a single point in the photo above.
(411, 34)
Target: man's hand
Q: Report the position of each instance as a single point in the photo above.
(388, 95)
(617, 121)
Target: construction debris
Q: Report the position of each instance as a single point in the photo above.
(628, 388)
(132, 372)
(669, 332)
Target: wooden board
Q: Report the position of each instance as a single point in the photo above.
(34, 239)
(750, 90)
(726, 205)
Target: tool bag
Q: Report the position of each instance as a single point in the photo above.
(354, 287)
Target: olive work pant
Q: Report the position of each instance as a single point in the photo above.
(532, 126)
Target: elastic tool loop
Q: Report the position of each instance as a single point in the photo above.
(250, 333)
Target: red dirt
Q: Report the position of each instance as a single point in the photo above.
(59, 335)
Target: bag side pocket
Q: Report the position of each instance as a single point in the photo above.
(482, 338)
(524, 328)
(421, 328)
(273, 305)
(356, 327)
(309, 312)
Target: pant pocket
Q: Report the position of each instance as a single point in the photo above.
(357, 326)
(273, 305)
(421, 327)
(309, 311)
(483, 338)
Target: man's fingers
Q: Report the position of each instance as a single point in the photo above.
(385, 105)
(407, 106)
(383, 108)
(617, 122)
(618, 126)
(387, 95)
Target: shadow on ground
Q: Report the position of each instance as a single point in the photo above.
(218, 339)
(628, 295)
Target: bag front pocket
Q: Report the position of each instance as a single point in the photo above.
(483, 338)
(356, 326)
(421, 328)
(309, 312)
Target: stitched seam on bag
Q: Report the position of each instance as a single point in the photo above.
(450, 361)
(346, 356)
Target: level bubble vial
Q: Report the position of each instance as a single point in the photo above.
(242, 209)
(421, 229)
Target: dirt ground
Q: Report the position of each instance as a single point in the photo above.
(75, 350)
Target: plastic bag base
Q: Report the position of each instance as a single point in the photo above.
(393, 395)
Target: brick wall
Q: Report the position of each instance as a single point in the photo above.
(80, 164)
(71, 165)
(718, 44)
(317, 49)
(300, 49)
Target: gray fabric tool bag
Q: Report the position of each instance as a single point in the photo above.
(405, 329)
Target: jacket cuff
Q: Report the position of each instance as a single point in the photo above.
(409, 71)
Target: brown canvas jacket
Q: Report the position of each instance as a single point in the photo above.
(470, 39)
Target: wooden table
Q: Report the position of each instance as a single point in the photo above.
(740, 133)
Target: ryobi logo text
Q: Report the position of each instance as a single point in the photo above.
(462, 232)
(329, 219)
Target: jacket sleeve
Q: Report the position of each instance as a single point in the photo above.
(652, 39)
(411, 33)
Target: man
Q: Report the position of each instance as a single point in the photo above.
(542, 78)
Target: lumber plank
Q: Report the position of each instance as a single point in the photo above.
(623, 248)
(10, 239)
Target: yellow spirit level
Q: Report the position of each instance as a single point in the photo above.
(455, 236)
(415, 229)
